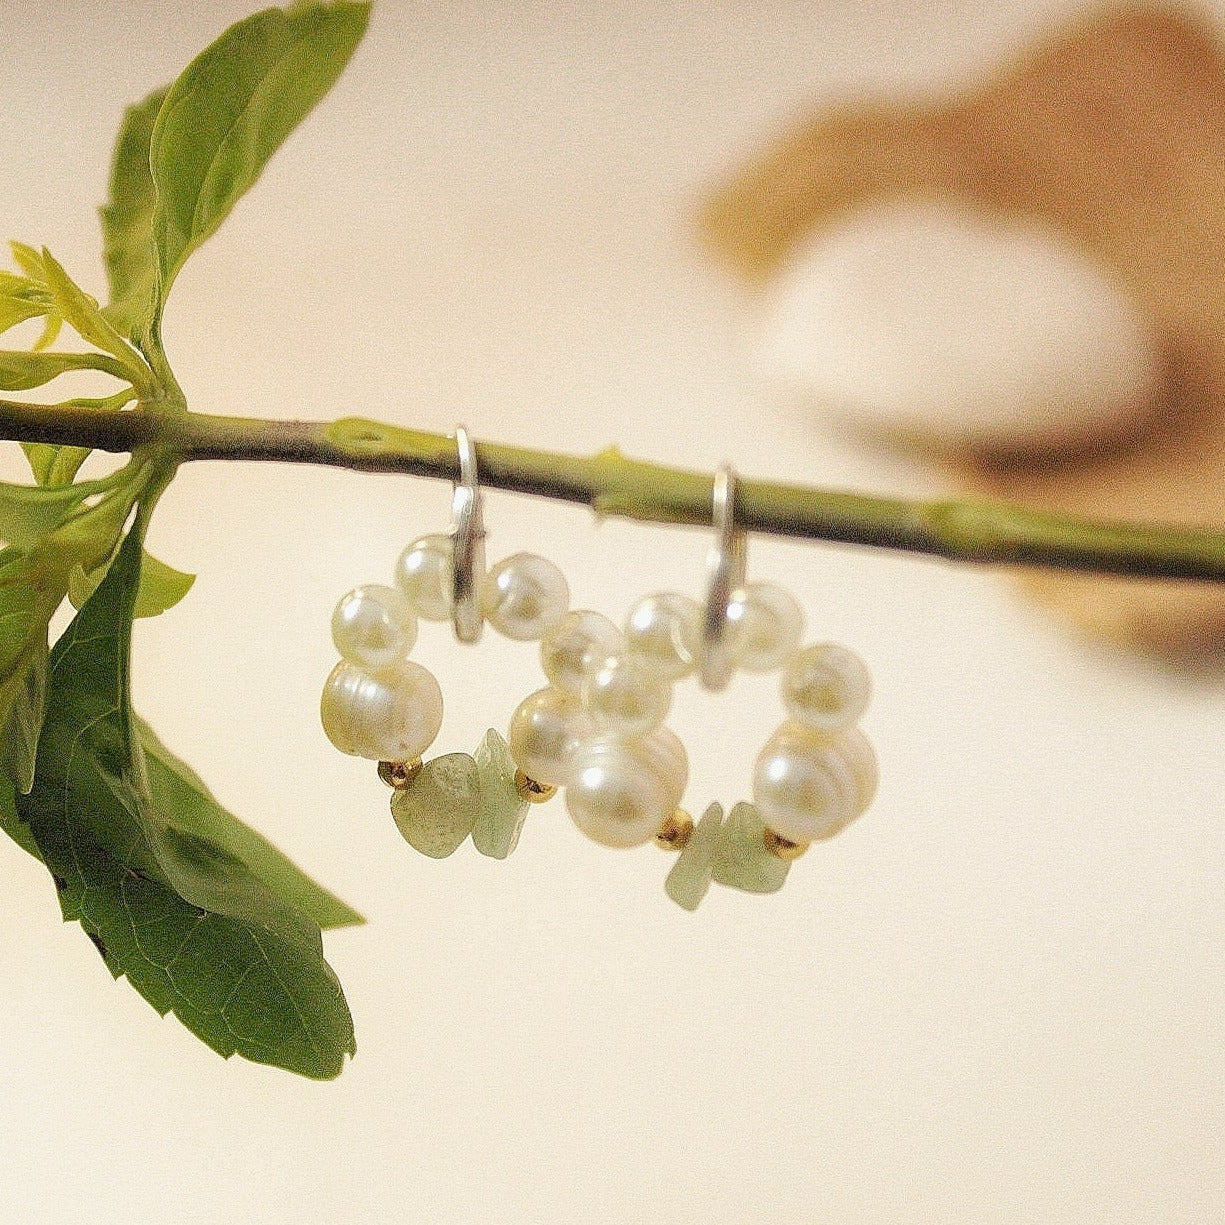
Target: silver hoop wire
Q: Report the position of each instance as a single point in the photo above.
(725, 569)
(467, 544)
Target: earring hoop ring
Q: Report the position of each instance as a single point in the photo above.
(467, 544)
(726, 570)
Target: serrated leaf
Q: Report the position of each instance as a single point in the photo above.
(180, 791)
(79, 309)
(179, 914)
(28, 513)
(232, 108)
(161, 586)
(127, 220)
(439, 807)
(24, 371)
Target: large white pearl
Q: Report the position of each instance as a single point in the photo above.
(808, 786)
(826, 686)
(624, 698)
(615, 796)
(392, 716)
(374, 626)
(665, 631)
(523, 595)
(665, 753)
(767, 624)
(579, 642)
(423, 573)
(544, 733)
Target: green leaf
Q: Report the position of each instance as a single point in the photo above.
(80, 310)
(175, 911)
(23, 371)
(179, 791)
(231, 110)
(23, 701)
(29, 512)
(12, 824)
(20, 299)
(161, 586)
(28, 260)
(127, 220)
(24, 613)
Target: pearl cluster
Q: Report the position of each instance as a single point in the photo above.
(597, 729)
(378, 703)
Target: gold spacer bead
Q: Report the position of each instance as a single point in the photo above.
(398, 774)
(532, 791)
(675, 832)
(783, 848)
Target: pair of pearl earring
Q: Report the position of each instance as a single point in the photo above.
(597, 729)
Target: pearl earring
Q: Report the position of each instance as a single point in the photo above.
(597, 730)
(379, 704)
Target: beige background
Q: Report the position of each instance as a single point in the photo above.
(998, 998)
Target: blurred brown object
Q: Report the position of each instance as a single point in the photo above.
(1113, 133)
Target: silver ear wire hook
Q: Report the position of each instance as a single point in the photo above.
(726, 570)
(467, 544)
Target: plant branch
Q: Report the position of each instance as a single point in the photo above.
(615, 485)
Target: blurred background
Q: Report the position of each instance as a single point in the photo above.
(997, 997)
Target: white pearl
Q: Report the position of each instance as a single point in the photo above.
(615, 796)
(808, 786)
(374, 626)
(392, 716)
(940, 324)
(579, 642)
(826, 686)
(665, 753)
(423, 573)
(544, 733)
(523, 595)
(624, 698)
(767, 624)
(665, 631)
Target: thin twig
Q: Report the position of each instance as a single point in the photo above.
(612, 484)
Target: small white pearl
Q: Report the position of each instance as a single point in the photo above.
(624, 698)
(423, 573)
(665, 631)
(392, 716)
(615, 797)
(826, 686)
(808, 786)
(579, 642)
(374, 626)
(544, 733)
(523, 595)
(767, 623)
